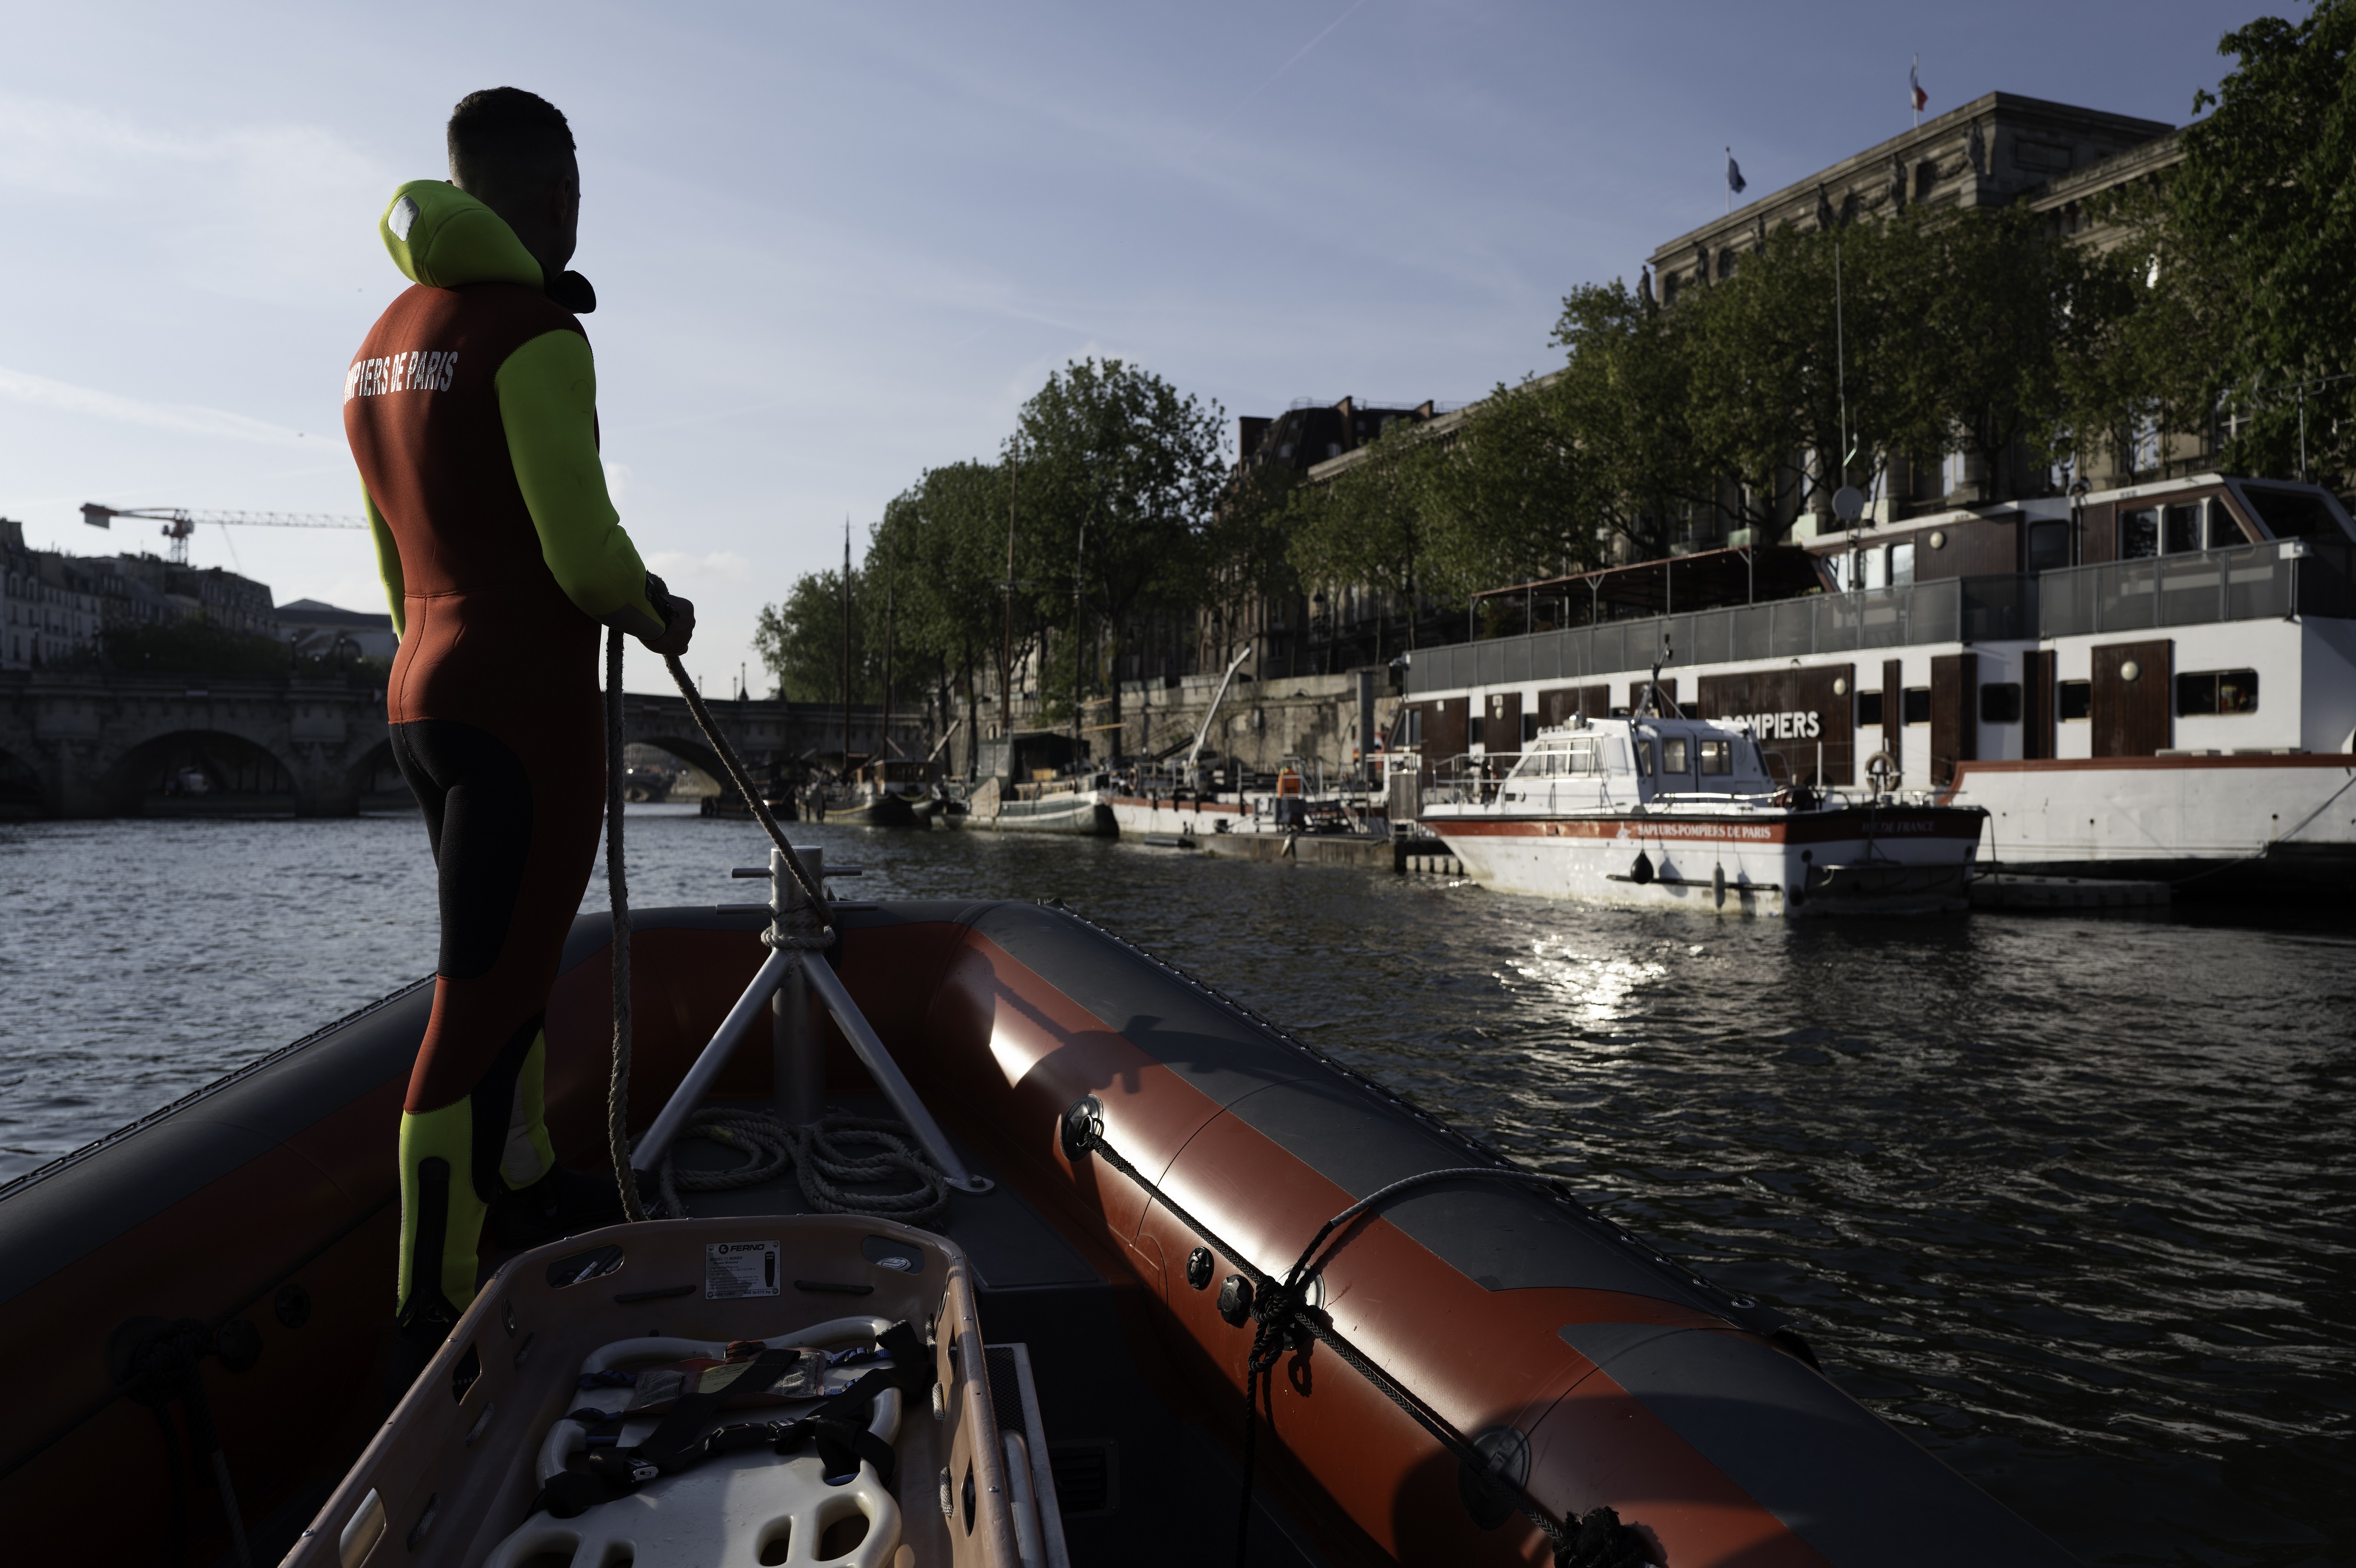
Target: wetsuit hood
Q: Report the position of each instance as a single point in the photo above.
(441, 237)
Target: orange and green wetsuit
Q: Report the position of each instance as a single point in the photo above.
(471, 410)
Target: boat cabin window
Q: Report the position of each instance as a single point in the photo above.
(2293, 514)
(2048, 546)
(1644, 757)
(2209, 693)
(1675, 755)
(2180, 530)
(2138, 533)
(1717, 756)
(2000, 702)
(2224, 531)
(2074, 700)
(1918, 705)
(1574, 759)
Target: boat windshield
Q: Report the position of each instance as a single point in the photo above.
(1579, 755)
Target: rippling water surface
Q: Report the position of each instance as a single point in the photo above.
(2068, 1200)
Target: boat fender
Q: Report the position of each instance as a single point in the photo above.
(1718, 886)
(1642, 872)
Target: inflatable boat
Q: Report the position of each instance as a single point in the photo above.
(1174, 1202)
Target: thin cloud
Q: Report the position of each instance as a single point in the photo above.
(1236, 107)
(188, 419)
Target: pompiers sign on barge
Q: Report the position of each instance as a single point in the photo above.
(2158, 681)
(1688, 813)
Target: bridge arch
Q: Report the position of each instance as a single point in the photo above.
(22, 793)
(198, 772)
(374, 780)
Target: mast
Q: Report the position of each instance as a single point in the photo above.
(1006, 653)
(884, 741)
(1079, 559)
(846, 647)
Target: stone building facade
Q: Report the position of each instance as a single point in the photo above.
(54, 606)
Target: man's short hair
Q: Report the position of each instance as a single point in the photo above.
(505, 142)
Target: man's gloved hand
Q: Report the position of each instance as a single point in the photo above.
(679, 620)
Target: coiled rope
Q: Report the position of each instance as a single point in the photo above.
(821, 1161)
(816, 1153)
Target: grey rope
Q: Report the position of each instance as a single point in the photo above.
(822, 1162)
(617, 893)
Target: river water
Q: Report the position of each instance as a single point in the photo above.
(2068, 1200)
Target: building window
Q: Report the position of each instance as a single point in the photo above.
(2074, 700)
(2143, 451)
(1955, 472)
(1902, 565)
(1918, 705)
(1868, 710)
(2000, 702)
(2209, 693)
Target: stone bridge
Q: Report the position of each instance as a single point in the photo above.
(80, 744)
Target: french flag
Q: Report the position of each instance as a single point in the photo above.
(1914, 84)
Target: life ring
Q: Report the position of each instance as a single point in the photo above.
(1881, 766)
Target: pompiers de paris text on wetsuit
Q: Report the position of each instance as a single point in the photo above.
(471, 410)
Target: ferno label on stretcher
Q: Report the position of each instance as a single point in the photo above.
(736, 1269)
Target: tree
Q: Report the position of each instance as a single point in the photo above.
(1366, 527)
(945, 540)
(2249, 262)
(1121, 477)
(801, 641)
(1626, 402)
(1818, 348)
(1506, 500)
(1988, 299)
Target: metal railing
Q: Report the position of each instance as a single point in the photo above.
(2254, 581)
(2250, 582)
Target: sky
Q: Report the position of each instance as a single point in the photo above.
(836, 244)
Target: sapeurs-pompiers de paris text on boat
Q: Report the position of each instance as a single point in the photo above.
(803, 906)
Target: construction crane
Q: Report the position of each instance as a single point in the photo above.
(180, 521)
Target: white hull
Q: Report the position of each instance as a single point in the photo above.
(1089, 815)
(1788, 867)
(2275, 818)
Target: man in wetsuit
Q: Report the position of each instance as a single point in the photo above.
(471, 410)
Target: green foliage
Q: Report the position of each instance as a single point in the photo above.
(800, 641)
(1508, 498)
(1120, 476)
(1626, 400)
(2246, 248)
(197, 647)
